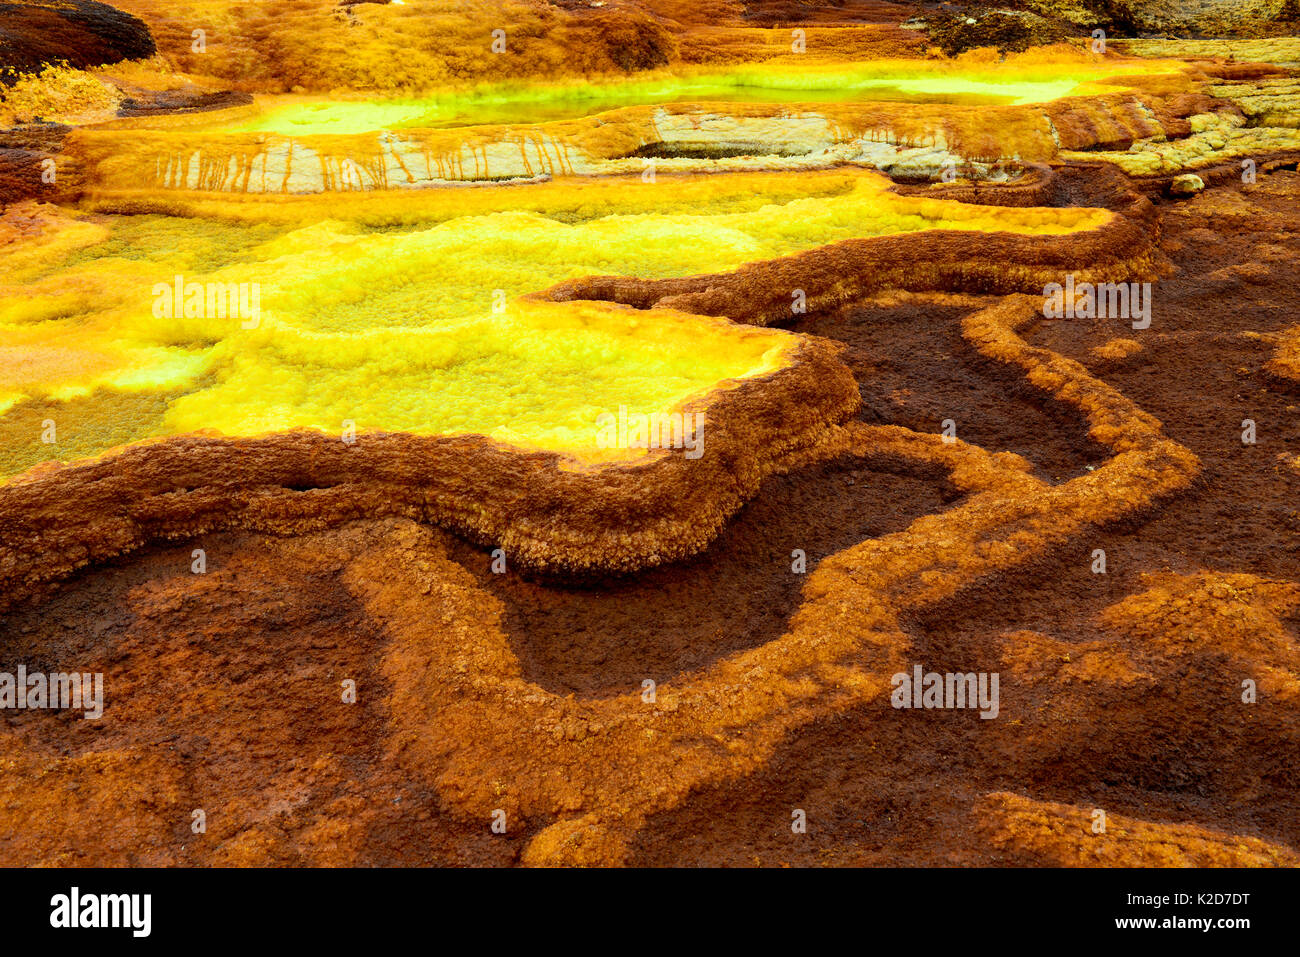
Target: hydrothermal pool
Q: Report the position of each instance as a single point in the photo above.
(884, 81)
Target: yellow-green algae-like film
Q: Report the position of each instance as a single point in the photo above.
(418, 329)
(884, 81)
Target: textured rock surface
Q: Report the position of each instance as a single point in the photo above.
(968, 27)
(1217, 18)
(80, 33)
(481, 690)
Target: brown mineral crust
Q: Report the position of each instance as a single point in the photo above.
(22, 152)
(974, 557)
(223, 688)
(777, 13)
(1241, 71)
(1047, 833)
(1116, 119)
(234, 709)
(1033, 184)
(956, 31)
(581, 778)
(726, 44)
(172, 102)
(1116, 350)
(122, 790)
(1170, 18)
(1037, 132)
(82, 33)
(598, 764)
(1173, 113)
(1285, 364)
(1123, 250)
(1195, 643)
(276, 46)
(1098, 185)
(548, 513)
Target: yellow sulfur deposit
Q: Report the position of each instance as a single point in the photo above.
(270, 327)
